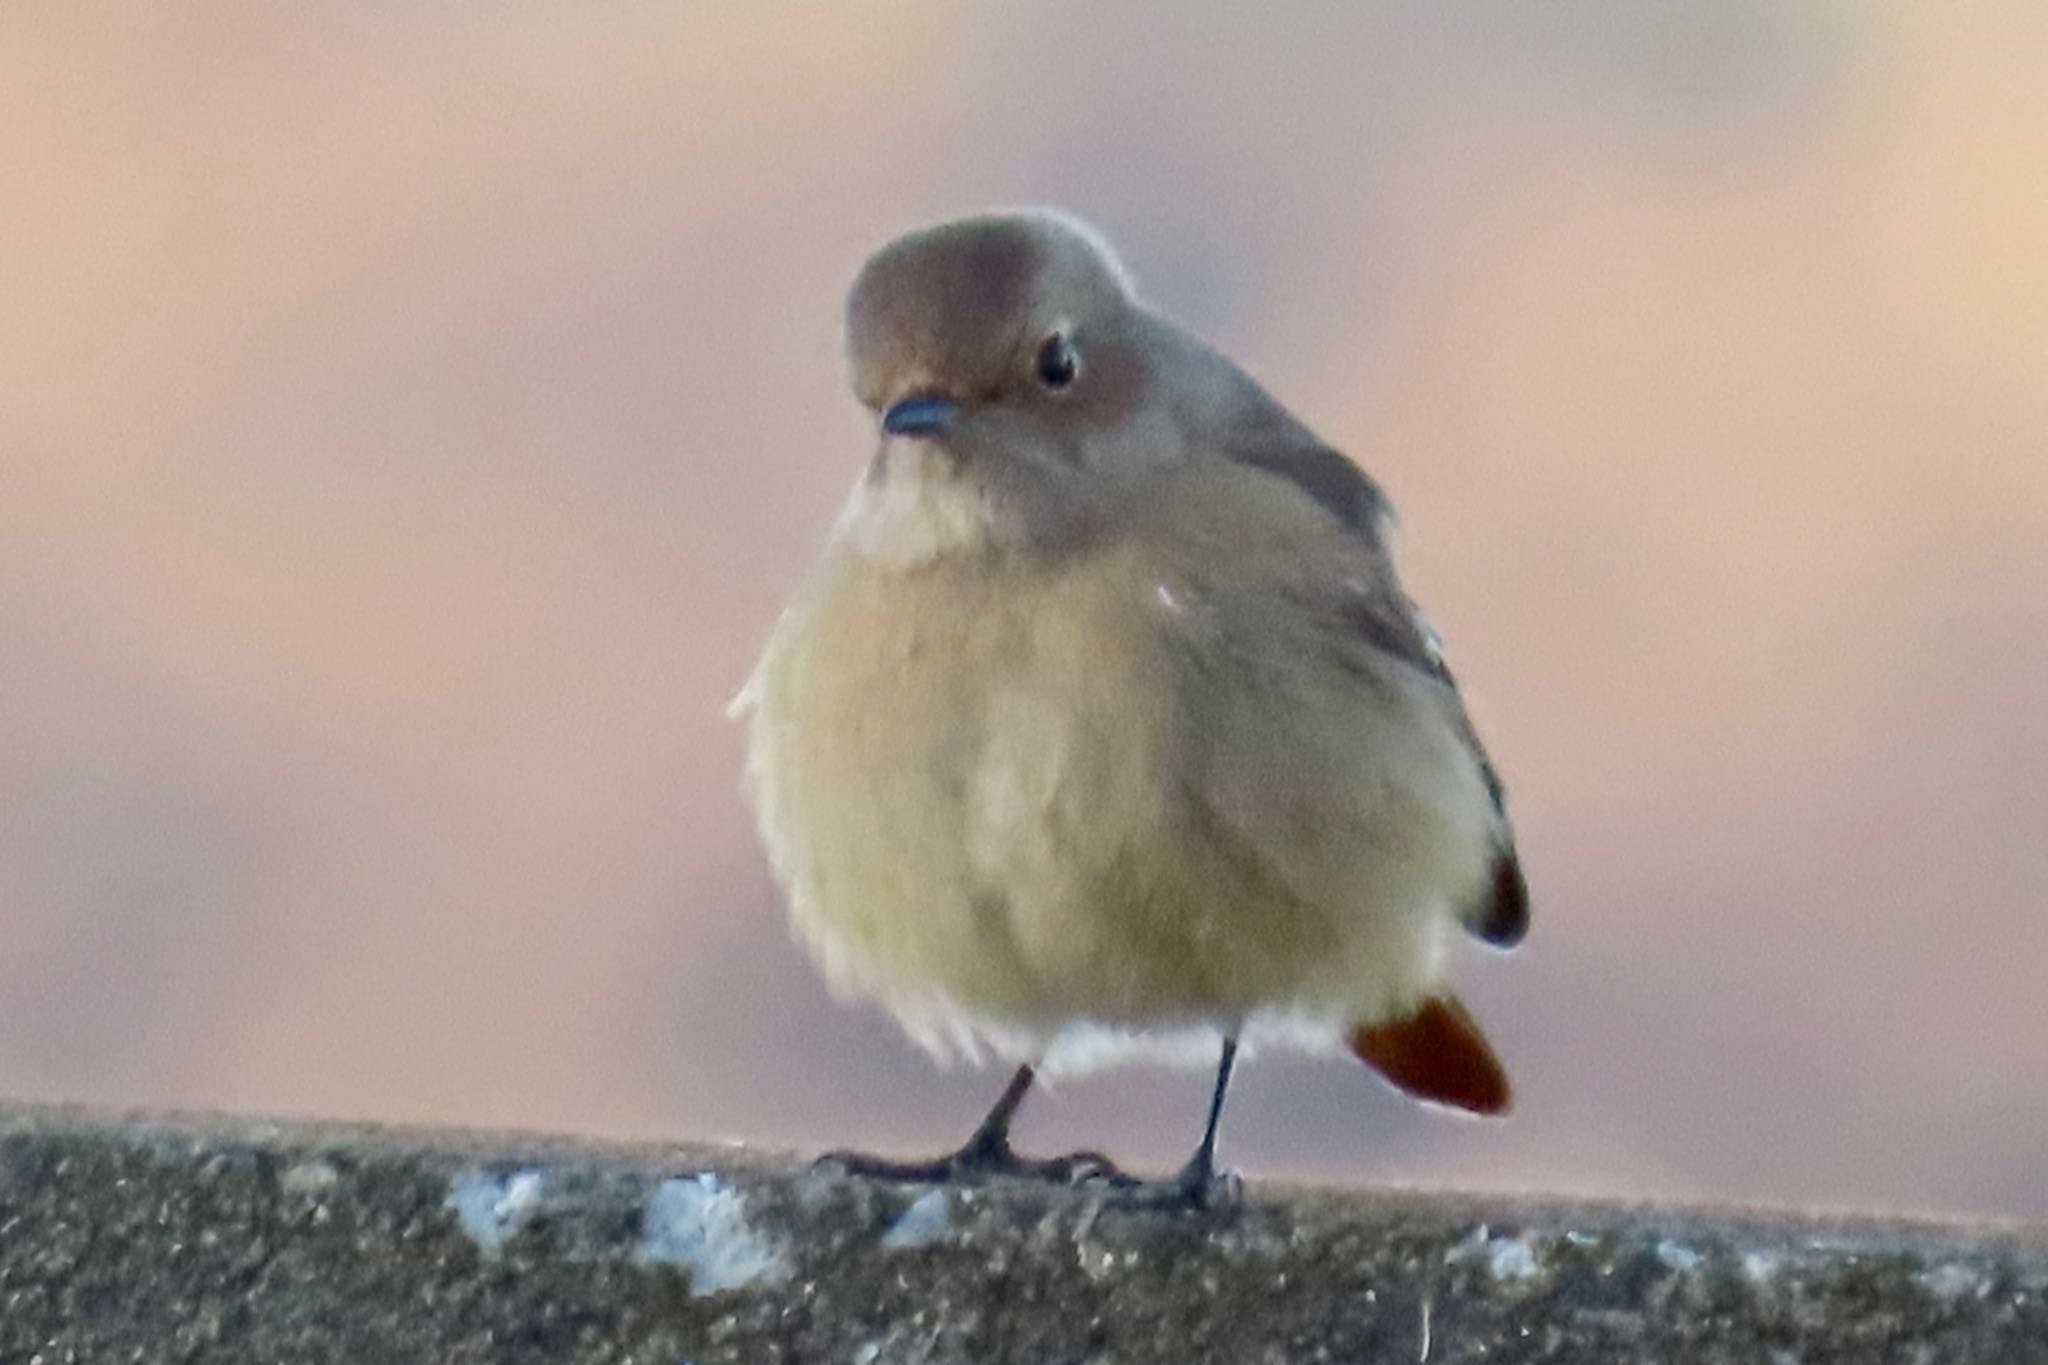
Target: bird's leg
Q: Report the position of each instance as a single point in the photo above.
(988, 1149)
(987, 1152)
(1198, 1186)
(1200, 1173)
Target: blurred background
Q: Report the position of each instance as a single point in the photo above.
(411, 418)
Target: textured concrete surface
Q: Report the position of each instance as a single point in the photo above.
(145, 1239)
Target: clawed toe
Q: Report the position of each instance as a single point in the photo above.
(1079, 1168)
(980, 1161)
(988, 1155)
(1194, 1190)
(881, 1168)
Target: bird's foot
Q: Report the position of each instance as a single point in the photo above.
(1198, 1188)
(981, 1159)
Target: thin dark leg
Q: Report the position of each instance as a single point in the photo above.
(1197, 1186)
(1203, 1164)
(987, 1152)
(990, 1144)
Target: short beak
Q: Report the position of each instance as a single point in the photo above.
(920, 416)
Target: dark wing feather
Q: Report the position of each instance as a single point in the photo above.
(1390, 623)
(1340, 486)
(1385, 619)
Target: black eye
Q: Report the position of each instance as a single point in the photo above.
(1058, 362)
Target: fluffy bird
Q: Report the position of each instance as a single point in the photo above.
(1104, 715)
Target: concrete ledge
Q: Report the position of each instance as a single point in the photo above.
(146, 1239)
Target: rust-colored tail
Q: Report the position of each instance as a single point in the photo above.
(1437, 1053)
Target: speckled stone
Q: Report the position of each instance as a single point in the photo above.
(150, 1239)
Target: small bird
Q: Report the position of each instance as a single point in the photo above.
(1104, 718)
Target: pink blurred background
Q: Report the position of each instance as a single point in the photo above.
(412, 416)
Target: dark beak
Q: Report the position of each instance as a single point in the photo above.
(920, 416)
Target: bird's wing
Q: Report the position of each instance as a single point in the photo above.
(1379, 613)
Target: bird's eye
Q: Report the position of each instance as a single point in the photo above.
(1058, 362)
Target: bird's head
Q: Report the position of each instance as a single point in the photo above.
(1008, 354)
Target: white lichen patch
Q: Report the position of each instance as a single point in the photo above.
(1678, 1256)
(492, 1208)
(1949, 1282)
(1511, 1258)
(1759, 1267)
(1505, 1258)
(701, 1227)
(310, 1178)
(923, 1223)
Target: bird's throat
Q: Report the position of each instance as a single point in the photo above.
(917, 505)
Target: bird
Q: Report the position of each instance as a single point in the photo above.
(1103, 722)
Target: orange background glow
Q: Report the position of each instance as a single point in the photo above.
(411, 418)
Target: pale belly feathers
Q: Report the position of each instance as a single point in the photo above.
(1012, 802)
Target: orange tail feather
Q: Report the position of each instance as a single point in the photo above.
(1437, 1053)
